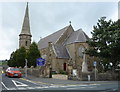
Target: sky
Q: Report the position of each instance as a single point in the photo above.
(47, 18)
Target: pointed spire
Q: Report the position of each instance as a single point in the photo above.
(26, 24)
(27, 14)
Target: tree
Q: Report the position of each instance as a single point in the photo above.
(114, 43)
(32, 54)
(12, 62)
(104, 41)
(20, 58)
(17, 58)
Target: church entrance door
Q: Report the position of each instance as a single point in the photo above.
(64, 66)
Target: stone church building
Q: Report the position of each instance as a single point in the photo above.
(62, 50)
(65, 48)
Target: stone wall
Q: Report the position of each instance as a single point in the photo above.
(44, 72)
(59, 64)
(99, 77)
(38, 72)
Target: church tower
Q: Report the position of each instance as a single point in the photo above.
(25, 35)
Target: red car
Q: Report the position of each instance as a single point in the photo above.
(13, 72)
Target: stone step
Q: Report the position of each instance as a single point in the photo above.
(60, 76)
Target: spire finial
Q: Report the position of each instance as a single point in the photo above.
(70, 22)
(27, 3)
(40, 37)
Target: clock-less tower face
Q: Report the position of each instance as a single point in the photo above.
(81, 51)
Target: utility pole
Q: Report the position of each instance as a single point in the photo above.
(25, 67)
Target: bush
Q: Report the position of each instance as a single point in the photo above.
(63, 72)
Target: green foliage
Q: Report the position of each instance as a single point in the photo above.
(63, 72)
(33, 54)
(18, 57)
(3, 63)
(105, 41)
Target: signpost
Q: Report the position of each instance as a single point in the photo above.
(26, 67)
(40, 62)
(95, 64)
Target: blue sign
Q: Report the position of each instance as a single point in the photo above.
(40, 62)
(94, 63)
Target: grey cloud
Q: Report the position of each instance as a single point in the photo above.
(46, 18)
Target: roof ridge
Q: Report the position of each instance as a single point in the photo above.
(54, 37)
(85, 35)
(55, 32)
(77, 36)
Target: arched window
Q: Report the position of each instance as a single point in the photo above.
(81, 51)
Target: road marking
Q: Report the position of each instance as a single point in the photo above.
(82, 87)
(17, 83)
(71, 88)
(92, 87)
(28, 81)
(5, 86)
(21, 88)
(38, 87)
(30, 88)
(39, 82)
(12, 88)
(95, 84)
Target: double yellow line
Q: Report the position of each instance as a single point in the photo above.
(34, 81)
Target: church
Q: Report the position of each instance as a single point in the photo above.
(62, 50)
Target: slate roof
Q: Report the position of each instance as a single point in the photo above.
(61, 51)
(77, 36)
(43, 43)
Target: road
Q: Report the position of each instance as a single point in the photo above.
(0, 78)
(49, 84)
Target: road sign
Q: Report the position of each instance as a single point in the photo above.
(40, 62)
(74, 72)
(94, 63)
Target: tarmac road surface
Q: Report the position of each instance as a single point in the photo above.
(33, 84)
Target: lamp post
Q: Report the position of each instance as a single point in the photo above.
(26, 67)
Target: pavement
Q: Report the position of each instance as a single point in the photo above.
(51, 81)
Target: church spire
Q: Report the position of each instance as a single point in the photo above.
(26, 24)
(25, 35)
